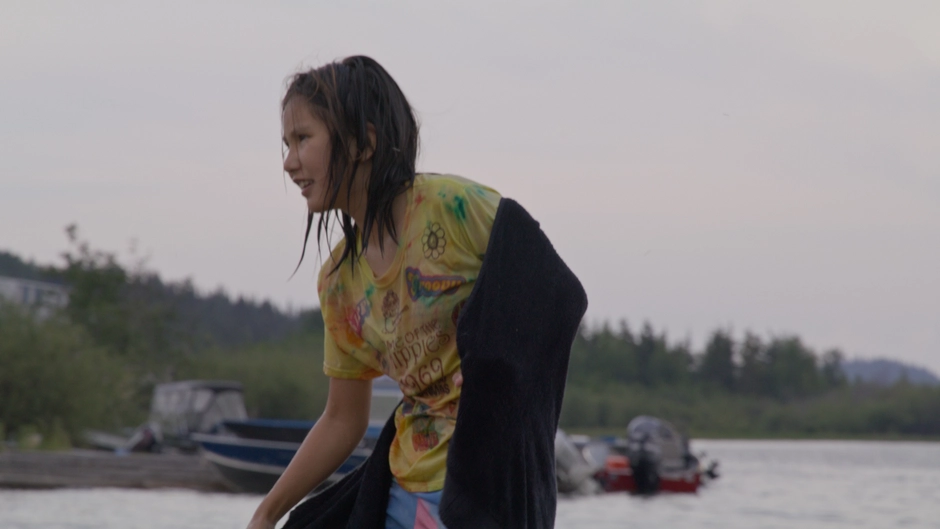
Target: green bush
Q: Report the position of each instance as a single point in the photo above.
(53, 378)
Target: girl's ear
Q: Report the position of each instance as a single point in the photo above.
(365, 154)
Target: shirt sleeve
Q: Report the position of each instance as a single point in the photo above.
(480, 206)
(338, 363)
(342, 347)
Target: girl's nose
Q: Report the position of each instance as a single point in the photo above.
(291, 163)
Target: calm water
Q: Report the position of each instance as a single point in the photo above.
(764, 484)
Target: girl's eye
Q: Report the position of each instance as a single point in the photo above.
(302, 137)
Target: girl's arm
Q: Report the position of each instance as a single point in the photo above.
(334, 436)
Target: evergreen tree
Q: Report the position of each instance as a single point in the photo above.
(752, 375)
(831, 371)
(717, 364)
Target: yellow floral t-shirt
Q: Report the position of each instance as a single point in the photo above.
(404, 323)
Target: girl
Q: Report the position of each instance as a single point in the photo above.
(391, 290)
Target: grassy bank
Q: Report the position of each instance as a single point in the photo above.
(851, 412)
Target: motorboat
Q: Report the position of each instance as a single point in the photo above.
(178, 410)
(254, 465)
(251, 454)
(654, 457)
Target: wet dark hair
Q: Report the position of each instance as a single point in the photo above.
(348, 96)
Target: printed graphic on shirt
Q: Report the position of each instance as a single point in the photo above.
(457, 206)
(392, 311)
(434, 241)
(354, 318)
(431, 286)
(358, 314)
(437, 389)
(425, 433)
(414, 346)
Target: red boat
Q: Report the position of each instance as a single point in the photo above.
(617, 476)
(654, 457)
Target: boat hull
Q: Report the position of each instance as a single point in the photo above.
(622, 480)
(254, 465)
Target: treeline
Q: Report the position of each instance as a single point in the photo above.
(95, 365)
(752, 387)
(855, 411)
(780, 367)
(130, 307)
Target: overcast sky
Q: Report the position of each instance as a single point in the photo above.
(771, 166)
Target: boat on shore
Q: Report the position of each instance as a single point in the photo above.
(251, 454)
(178, 410)
(251, 461)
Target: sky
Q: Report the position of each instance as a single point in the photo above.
(762, 166)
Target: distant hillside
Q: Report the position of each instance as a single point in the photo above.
(887, 372)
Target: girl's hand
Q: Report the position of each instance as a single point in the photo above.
(457, 378)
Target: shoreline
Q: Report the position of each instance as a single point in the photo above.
(620, 432)
(80, 468)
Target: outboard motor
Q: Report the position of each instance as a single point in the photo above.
(645, 459)
(644, 453)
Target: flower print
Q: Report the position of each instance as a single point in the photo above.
(434, 241)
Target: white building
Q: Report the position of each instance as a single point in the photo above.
(39, 295)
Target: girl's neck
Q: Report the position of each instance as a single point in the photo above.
(357, 210)
(380, 256)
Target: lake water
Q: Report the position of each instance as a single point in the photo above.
(764, 484)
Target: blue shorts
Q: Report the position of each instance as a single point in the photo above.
(412, 510)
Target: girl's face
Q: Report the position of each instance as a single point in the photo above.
(307, 162)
